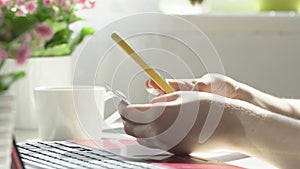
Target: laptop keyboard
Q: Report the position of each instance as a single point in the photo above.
(63, 154)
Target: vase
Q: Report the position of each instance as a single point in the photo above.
(6, 128)
(41, 71)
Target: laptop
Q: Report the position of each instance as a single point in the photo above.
(82, 154)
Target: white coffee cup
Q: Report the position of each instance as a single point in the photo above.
(70, 112)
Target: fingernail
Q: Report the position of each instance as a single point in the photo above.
(149, 83)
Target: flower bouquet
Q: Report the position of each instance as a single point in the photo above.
(38, 28)
(32, 34)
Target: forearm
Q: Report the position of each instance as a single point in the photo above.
(268, 102)
(279, 139)
(269, 136)
(276, 139)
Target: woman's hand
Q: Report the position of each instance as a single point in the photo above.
(249, 121)
(211, 83)
(230, 88)
(173, 122)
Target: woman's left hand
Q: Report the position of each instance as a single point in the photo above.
(173, 122)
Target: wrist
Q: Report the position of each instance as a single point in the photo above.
(265, 101)
(243, 122)
(255, 97)
(233, 124)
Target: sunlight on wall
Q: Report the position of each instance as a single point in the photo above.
(184, 7)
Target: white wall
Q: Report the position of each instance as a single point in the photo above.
(260, 50)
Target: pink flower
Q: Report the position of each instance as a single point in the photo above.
(20, 13)
(31, 6)
(81, 1)
(44, 31)
(90, 4)
(67, 5)
(27, 37)
(59, 1)
(3, 54)
(47, 2)
(22, 54)
(87, 4)
(4, 3)
(55, 9)
(19, 2)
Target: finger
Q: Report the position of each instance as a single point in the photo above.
(177, 85)
(147, 143)
(150, 143)
(129, 128)
(139, 130)
(153, 88)
(165, 98)
(142, 113)
(202, 86)
(152, 84)
(180, 85)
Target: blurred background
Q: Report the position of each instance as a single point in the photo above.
(257, 40)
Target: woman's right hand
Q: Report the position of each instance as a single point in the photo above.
(211, 83)
(230, 88)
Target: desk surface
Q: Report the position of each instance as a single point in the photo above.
(226, 156)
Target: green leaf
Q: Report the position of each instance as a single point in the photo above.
(60, 37)
(7, 80)
(56, 26)
(61, 44)
(74, 19)
(43, 13)
(21, 25)
(2, 63)
(83, 33)
(12, 27)
(58, 50)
